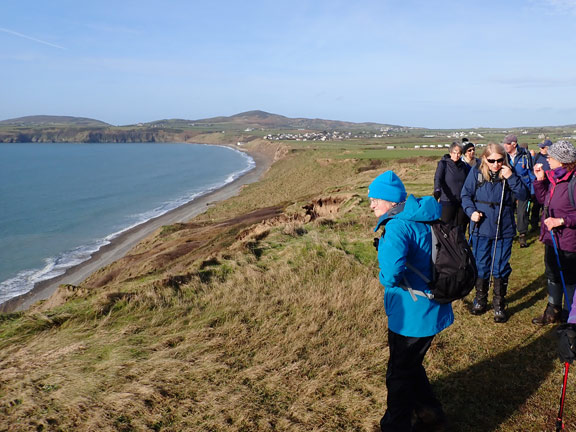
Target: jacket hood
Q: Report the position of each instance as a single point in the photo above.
(425, 209)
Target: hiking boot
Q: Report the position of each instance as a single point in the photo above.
(481, 299)
(522, 240)
(499, 302)
(551, 315)
(429, 420)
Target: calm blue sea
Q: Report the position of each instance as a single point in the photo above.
(59, 203)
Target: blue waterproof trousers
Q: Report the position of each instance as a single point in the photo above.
(483, 249)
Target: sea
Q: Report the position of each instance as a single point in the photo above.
(61, 202)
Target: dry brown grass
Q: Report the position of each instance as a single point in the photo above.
(276, 324)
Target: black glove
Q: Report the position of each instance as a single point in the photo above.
(437, 194)
(567, 342)
(376, 242)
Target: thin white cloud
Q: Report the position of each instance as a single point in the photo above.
(558, 6)
(529, 82)
(31, 38)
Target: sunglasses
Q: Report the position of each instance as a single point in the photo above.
(501, 160)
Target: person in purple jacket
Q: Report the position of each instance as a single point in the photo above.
(559, 220)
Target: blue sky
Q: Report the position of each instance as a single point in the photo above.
(438, 64)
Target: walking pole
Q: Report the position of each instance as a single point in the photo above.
(472, 233)
(568, 301)
(559, 421)
(497, 232)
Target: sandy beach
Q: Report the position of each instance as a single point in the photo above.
(122, 244)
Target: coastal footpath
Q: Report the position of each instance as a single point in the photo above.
(265, 313)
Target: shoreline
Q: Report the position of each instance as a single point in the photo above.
(123, 243)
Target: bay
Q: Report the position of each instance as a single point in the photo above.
(59, 203)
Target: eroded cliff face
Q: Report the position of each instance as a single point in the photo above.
(183, 252)
(87, 135)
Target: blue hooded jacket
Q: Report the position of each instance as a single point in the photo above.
(406, 240)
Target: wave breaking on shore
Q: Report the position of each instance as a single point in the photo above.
(55, 266)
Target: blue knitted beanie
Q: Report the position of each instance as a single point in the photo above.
(387, 186)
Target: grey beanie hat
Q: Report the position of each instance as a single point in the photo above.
(563, 151)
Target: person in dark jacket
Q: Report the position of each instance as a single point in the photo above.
(492, 226)
(469, 154)
(521, 161)
(412, 324)
(558, 220)
(539, 158)
(448, 181)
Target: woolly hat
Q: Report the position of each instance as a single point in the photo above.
(545, 143)
(562, 151)
(467, 146)
(387, 186)
(509, 139)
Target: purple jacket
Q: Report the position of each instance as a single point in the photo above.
(553, 194)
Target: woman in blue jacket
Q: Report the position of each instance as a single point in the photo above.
(492, 227)
(412, 321)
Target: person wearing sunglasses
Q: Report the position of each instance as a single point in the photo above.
(488, 197)
(469, 154)
(540, 158)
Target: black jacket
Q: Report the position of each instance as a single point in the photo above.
(449, 179)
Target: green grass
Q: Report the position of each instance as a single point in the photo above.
(281, 328)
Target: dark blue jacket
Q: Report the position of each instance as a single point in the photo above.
(449, 179)
(543, 159)
(524, 167)
(484, 196)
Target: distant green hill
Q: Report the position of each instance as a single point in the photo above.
(265, 120)
(48, 120)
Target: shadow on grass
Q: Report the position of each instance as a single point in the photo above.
(530, 295)
(483, 396)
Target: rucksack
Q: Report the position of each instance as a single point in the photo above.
(454, 269)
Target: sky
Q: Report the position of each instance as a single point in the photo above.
(436, 64)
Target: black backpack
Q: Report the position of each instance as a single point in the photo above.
(454, 269)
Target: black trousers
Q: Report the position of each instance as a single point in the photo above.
(454, 214)
(522, 216)
(567, 263)
(408, 387)
(535, 213)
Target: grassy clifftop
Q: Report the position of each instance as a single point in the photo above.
(265, 314)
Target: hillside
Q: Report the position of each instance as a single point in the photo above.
(265, 313)
(48, 120)
(245, 127)
(265, 120)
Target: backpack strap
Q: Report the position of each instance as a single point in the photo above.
(571, 187)
(413, 292)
